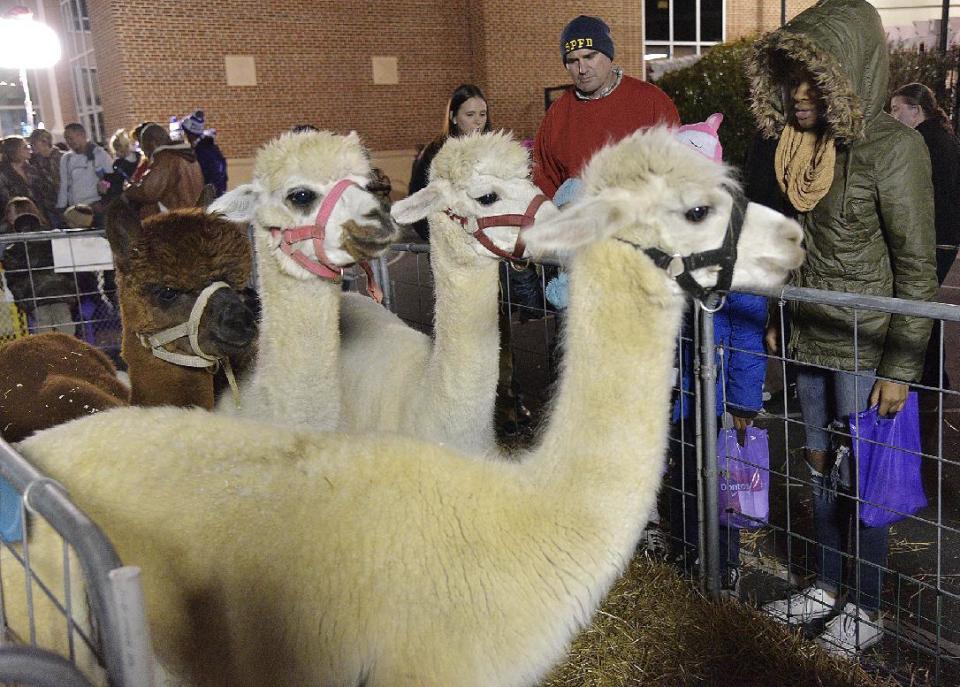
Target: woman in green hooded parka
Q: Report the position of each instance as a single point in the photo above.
(859, 183)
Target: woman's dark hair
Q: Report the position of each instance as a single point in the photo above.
(461, 94)
(921, 96)
(9, 147)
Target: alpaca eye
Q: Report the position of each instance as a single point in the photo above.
(697, 214)
(165, 295)
(488, 199)
(302, 197)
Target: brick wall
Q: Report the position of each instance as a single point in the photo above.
(748, 17)
(313, 63)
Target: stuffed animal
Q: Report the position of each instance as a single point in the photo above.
(703, 137)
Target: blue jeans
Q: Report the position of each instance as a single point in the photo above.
(828, 397)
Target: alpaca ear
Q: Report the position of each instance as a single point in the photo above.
(122, 220)
(421, 204)
(207, 195)
(579, 224)
(237, 205)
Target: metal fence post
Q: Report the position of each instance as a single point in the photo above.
(710, 522)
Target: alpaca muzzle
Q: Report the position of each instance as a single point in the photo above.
(191, 330)
(321, 265)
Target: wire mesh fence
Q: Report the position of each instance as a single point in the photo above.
(60, 281)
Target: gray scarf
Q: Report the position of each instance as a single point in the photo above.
(606, 90)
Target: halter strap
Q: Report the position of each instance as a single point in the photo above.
(321, 266)
(522, 220)
(680, 267)
(191, 329)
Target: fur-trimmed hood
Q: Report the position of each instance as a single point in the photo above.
(842, 43)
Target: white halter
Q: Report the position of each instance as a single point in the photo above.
(191, 329)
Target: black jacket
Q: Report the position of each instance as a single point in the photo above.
(945, 160)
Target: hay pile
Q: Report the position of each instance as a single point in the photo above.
(656, 629)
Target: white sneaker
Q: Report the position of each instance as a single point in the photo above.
(850, 632)
(806, 605)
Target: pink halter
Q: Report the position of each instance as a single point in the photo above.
(321, 266)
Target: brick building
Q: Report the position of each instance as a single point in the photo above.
(383, 69)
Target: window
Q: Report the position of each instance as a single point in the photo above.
(78, 18)
(12, 114)
(675, 28)
(83, 67)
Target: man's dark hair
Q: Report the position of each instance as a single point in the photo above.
(76, 127)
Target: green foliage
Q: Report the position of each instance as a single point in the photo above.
(717, 83)
(931, 67)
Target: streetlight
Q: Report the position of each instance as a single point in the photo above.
(27, 44)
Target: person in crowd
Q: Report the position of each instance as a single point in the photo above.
(173, 180)
(211, 160)
(47, 296)
(125, 163)
(604, 105)
(916, 106)
(466, 113)
(45, 162)
(17, 178)
(859, 183)
(82, 169)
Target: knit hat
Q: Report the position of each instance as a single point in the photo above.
(194, 123)
(584, 32)
(703, 137)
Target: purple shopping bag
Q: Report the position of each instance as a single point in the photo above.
(743, 474)
(887, 451)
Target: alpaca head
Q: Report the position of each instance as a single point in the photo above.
(308, 198)
(482, 185)
(652, 191)
(168, 262)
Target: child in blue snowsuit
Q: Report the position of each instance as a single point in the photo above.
(741, 367)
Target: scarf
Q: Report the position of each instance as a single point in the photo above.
(606, 90)
(804, 164)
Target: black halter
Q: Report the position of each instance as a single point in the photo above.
(680, 267)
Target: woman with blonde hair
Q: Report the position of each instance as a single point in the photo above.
(125, 164)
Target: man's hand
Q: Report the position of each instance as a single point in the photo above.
(772, 338)
(890, 396)
(741, 424)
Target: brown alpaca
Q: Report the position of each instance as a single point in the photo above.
(162, 265)
(51, 378)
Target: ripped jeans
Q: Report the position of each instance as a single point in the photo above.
(827, 398)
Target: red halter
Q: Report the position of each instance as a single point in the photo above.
(514, 220)
(321, 266)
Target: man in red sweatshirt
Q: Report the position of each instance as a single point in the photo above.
(602, 107)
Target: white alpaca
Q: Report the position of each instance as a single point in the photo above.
(393, 377)
(303, 181)
(295, 558)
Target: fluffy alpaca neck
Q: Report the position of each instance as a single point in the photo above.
(155, 382)
(603, 451)
(294, 379)
(461, 379)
